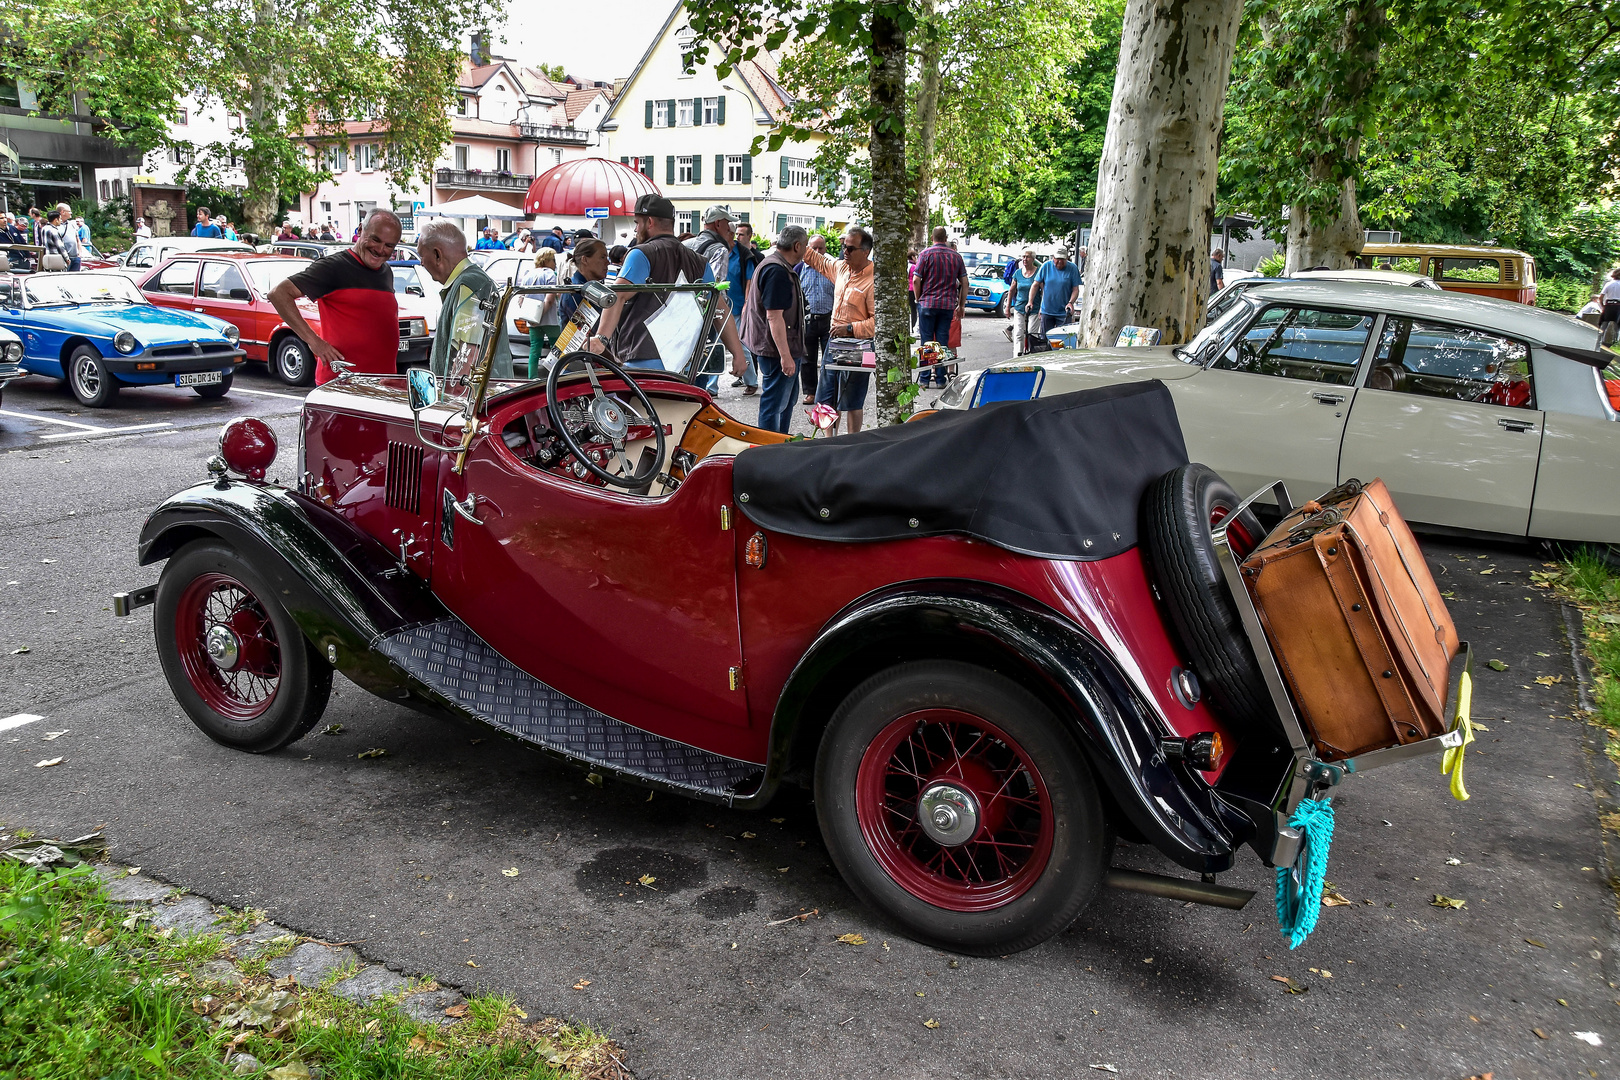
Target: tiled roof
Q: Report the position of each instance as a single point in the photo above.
(579, 100)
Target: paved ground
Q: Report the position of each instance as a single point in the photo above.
(405, 852)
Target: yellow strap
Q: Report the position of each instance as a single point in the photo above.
(1452, 761)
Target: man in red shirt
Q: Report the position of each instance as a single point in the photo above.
(353, 290)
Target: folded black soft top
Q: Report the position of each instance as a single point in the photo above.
(1060, 477)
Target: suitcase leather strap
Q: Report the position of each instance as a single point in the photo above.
(1375, 651)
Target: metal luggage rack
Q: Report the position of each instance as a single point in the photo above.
(1309, 775)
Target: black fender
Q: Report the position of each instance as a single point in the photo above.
(1165, 802)
(341, 586)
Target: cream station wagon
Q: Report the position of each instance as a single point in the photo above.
(1481, 415)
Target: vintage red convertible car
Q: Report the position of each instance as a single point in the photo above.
(946, 628)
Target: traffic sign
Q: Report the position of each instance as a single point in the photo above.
(596, 211)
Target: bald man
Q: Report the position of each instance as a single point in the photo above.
(353, 290)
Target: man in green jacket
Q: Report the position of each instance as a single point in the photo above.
(442, 249)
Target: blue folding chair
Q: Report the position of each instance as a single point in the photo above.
(1008, 384)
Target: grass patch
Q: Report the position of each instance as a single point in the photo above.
(1586, 580)
(87, 991)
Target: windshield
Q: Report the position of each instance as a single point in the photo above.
(988, 271)
(404, 278)
(268, 274)
(64, 289)
(1203, 347)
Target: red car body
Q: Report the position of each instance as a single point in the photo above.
(220, 284)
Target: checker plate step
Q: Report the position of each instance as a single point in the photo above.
(456, 663)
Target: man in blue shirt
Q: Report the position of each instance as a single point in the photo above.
(553, 239)
(818, 307)
(740, 275)
(1057, 285)
(205, 227)
(658, 259)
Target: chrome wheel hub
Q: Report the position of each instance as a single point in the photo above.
(608, 416)
(948, 814)
(223, 648)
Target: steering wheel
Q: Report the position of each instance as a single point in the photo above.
(608, 417)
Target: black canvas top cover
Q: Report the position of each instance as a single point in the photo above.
(1059, 477)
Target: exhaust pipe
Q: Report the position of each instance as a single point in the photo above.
(1197, 892)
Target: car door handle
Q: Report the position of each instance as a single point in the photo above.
(1328, 399)
(1515, 425)
(465, 509)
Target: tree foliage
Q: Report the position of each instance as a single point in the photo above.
(286, 67)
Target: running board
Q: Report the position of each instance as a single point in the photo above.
(457, 664)
(1196, 892)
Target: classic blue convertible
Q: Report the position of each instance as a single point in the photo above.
(98, 332)
(985, 287)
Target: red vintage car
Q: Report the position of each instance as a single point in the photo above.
(235, 286)
(947, 629)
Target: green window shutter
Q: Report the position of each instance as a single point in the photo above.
(719, 168)
(821, 223)
(649, 112)
(671, 105)
(697, 168)
(784, 183)
(748, 169)
(624, 161)
(744, 216)
(781, 222)
(720, 112)
(669, 168)
(648, 163)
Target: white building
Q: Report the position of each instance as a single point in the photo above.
(692, 133)
(203, 133)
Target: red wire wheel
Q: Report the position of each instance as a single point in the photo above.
(228, 647)
(990, 838)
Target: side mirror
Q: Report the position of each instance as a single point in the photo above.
(423, 389)
(415, 290)
(241, 294)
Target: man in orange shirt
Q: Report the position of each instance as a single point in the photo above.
(854, 315)
(353, 290)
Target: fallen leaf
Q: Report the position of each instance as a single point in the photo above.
(47, 561)
(1548, 680)
(513, 872)
(297, 1070)
(1539, 1033)
(921, 994)
(1533, 941)
(646, 879)
(375, 751)
(19, 652)
(1483, 573)
(1335, 899)
(783, 869)
(930, 1023)
(52, 736)
(1292, 986)
(332, 729)
(132, 871)
(47, 763)
(777, 820)
(96, 936)
(421, 1044)
(1326, 974)
(594, 779)
(1496, 665)
(471, 964)
(457, 1011)
(1454, 862)
(1105, 1068)
(1591, 1038)
(582, 984)
(749, 836)
(1562, 1002)
(852, 939)
(1447, 902)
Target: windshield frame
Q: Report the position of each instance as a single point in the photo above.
(248, 266)
(1237, 316)
(30, 301)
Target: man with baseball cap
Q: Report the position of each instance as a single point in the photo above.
(657, 259)
(714, 243)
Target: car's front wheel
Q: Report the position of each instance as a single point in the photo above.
(292, 362)
(234, 658)
(89, 379)
(216, 390)
(954, 803)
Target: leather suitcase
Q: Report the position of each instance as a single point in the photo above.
(1354, 618)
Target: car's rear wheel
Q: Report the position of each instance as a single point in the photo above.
(292, 362)
(89, 379)
(216, 390)
(953, 802)
(1179, 511)
(233, 656)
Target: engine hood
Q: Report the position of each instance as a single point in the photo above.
(1100, 366)
(151, 325)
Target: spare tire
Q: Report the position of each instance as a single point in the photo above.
(1178, 511)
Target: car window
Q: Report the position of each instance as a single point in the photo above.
(218, 279)
(268, 273)
(1436, 360)
(140, 257)
(178, 278)
(1469, 269)
(1223, 301)
(405, 278)
(1301, 343)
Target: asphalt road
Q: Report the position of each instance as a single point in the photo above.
(404, 853)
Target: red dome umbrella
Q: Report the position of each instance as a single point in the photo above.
(569, 189)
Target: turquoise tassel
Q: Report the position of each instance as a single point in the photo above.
(1299, 887)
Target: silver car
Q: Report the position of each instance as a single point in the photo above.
(1480, 415)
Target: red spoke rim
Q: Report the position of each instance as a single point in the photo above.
(1008, 852)
(245, 689)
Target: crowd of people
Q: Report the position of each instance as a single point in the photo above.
(65, 238)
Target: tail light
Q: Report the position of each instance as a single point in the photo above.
(522, 326)
(1202, 751)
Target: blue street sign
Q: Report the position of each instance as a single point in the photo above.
(596, 211)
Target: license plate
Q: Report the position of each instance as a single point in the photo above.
(198, 378)
(403, 345)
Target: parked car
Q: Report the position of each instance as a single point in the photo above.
(986, 288)
(236, 287)
(411, 279)
(502, 267)
(94, 329)
(145, 254)
(974, 677)
(1479, 414)
(1236, 287)
(974, 259)
(1480, 270)
(11, 352)
(315, 249)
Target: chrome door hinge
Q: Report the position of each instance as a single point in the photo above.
(725, 522)
(736, 678)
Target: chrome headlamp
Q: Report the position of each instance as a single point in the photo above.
(125, 342)
(232, 334)
(14, 351)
